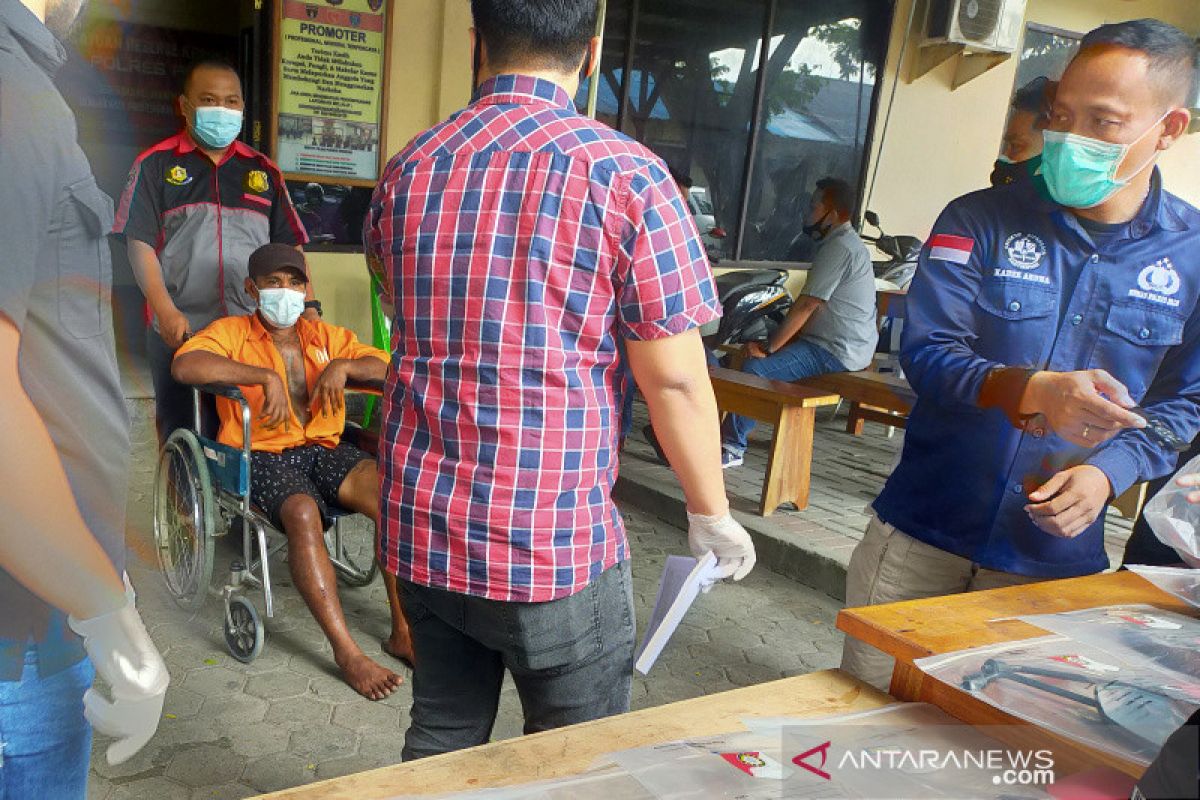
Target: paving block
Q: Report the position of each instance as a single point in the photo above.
(181, 703)
(205, 764)
(99, 788)
(279, 771)
(278, 684)
(232, 710)
(258, 739)
(750, 674)
(156, 788)
(373, 717)
(214, 680)
(382, 747)
(323, 743)
(306, 711)
(226, 791)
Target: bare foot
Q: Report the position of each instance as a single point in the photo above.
(368, 678)
(400, 647)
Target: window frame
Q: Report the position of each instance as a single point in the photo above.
(757, 122)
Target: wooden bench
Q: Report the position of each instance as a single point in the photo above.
(882, 397)
(792, 409)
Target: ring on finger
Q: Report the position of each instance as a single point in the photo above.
(1087, 429)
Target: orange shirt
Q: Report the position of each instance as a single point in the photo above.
(245, 340)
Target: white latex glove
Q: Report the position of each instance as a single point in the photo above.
(122, 653)
(728, 541)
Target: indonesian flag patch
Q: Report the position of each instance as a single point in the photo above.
(956, 249)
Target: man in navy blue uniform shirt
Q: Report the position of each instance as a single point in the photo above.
(1040, 314)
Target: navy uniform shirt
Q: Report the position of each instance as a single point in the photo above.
(205, 220)
(1009, 278)
(55, 283)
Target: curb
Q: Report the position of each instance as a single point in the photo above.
(807, 566)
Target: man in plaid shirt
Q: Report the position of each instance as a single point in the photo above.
(520, 241)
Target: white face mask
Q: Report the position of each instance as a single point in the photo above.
(281, 307)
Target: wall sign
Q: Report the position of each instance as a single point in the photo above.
(330, 98)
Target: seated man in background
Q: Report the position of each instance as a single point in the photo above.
(832, 326)
(1021, 148)
(293, 372)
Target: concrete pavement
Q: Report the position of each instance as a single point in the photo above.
(232, 730)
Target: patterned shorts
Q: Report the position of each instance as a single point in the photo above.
(312, 470)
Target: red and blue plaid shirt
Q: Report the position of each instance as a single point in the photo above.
(521, 241)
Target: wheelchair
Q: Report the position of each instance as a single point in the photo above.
(202, 491)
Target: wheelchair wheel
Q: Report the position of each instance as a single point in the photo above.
(353, 556)
(184, 519)
(243, 630)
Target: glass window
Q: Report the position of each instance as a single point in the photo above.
(332, 214)
(1045, 53)
(693, 86)
(691, 95)
(612, 58)
(820, 85)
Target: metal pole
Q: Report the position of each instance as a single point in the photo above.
(598, 75)
(760, 87)
(627, 69)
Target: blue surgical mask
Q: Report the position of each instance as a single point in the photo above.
(281, 307)
(1081, 172)
(216, 127)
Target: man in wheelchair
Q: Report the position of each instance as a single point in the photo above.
(293, 373)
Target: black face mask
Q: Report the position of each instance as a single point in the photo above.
(1008, 172)
(817, 230)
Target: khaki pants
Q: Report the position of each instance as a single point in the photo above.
(888, 566)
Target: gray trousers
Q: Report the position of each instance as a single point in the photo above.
(888, 566)
(571, 660)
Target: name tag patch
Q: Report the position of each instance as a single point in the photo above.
(1024, 276)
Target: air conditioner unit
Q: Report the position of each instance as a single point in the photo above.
(979, 25)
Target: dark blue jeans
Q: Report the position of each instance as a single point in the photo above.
(800, 360)
(173, 406)
(45, 742)
(571, 660)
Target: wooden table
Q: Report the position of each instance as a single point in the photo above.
(917, 628)
(570, 751)
(792, 410)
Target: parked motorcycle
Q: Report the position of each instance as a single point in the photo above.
(902, 253)
(754, 303)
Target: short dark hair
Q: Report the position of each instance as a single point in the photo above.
(550, 33)
(1031, 98)
(837, 193)
(1172, 53)
(212, 62)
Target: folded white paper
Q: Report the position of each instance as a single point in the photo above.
(683, 578)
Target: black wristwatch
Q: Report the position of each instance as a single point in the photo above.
(314, 304)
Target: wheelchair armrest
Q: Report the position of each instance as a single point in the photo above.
(366, 387)
(223, 390)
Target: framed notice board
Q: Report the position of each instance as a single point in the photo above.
(329, 97)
